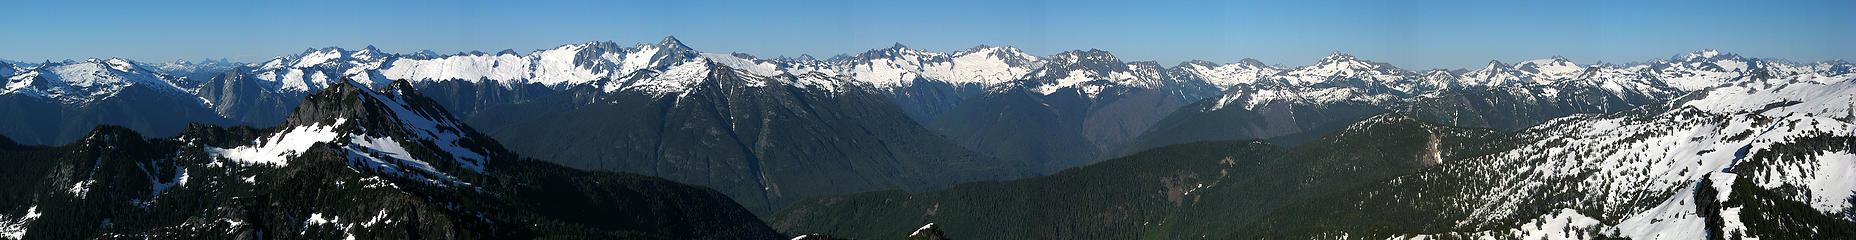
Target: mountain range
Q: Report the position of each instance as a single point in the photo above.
(821, 145)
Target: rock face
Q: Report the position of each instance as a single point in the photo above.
(347, 163)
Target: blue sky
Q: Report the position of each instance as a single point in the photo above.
(1410, 34)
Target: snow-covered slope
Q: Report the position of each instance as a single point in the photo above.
(1708, 68)
(1089, 73)
(1246, 71)
(503, 67)
(988, 65)
(374, 129)
(678, 79)
(1636, 173)
(1700, 69)
(1494, 74)
(1550, 69)
(896, 66)
(901, 66)
(1339, 69)
(1250, 97)
(559, 67)
(315, 68)
(85, 81)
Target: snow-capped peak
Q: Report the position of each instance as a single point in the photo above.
(373, 130)
(1335, 57)
(313, 57)
(1702, 69)
(899, 51)
(1494, 74)
(677, 79)
(1339, 69)
(1438, 79)
(1704, 54)
(1495, 64)
(1092, 57)
(1550, 69)
(368, 53)
(425, 54)
(119, 64)
(90, 80)
(1245, 71)
(1007, 54)
(898, 66)
(745, 62)
(1091, 72)
(566, 65)
(1346, 65)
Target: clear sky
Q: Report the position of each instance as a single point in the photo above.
(1409, 34)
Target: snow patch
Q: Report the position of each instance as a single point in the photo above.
(388, 157)
(280, 147)
(81, 188)
(15, 228)
(677, 79)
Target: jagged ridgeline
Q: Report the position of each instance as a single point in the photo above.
(347, 163)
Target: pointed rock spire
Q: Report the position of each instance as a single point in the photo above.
(670, 41)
